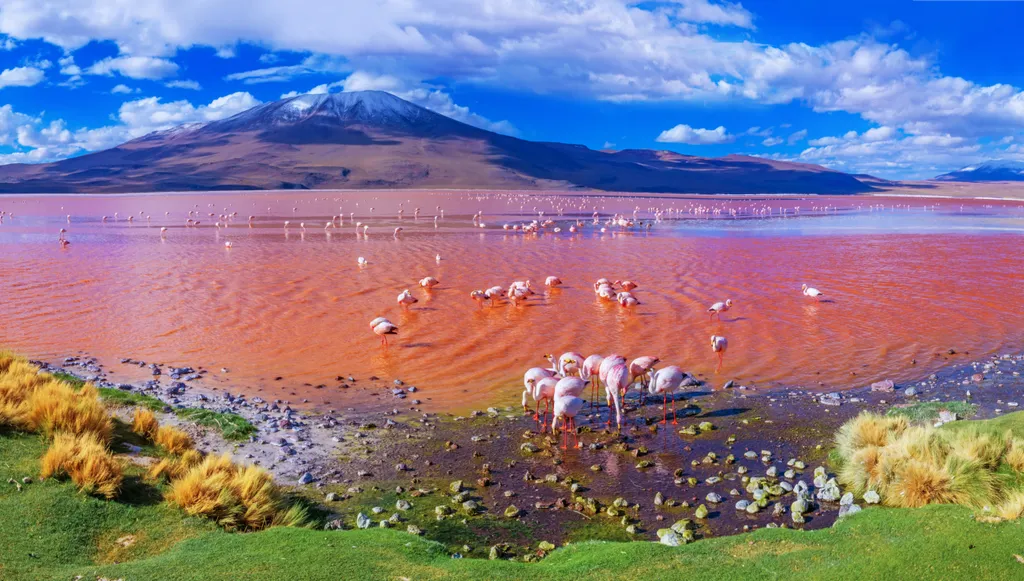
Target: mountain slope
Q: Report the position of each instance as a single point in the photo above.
(992, 171)
(373, 139)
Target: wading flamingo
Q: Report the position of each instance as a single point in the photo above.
(573, 386)
(362, 261)
(552, 281)
(530, 379)
(543, 390)
(616, 382)
(566, 408)
(383, 327)
(479, 296)
(429, 282)
(667, 382)
(626, 299)
(640, 369)
(406, 298)
(495, 292)
(627, 285)
(719, 308)
(591, 366)
(811, 292)
(719, 344)
(570, 363)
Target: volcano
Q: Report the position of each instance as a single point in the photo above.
(372, 139)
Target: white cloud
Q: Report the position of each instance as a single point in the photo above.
(772, 141)
(38, 142)
(226, 52)
(135, 67)
(310, 65)
(21, 77)
(123, 90)
(703, 11)
(192, 85)
(797, 137)
(686, 134)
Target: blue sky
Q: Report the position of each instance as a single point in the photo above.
(899, 89)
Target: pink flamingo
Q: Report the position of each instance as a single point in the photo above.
(626, 299)
(530, 379)
(627, 285)
(667, 381)
(479, 296)
(383, 328)
(719, 345)
(552, 281)
(429, 282)
(495, 292)
(811, 292)
(615, 382)
(543, 390)
(640, 369)
(573, 386)
(405, 298)
(589, 371)
(566, 408)
(609, 362)
(570, 363)
(719, 308)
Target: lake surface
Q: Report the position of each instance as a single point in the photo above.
(905, 280)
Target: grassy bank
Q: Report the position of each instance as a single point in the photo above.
(50, 531)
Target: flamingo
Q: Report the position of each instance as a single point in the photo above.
(383, 327)
(719, 308)
(570, 363)
(589, 370)
(517, 294)
(641, 369)
(627, 285)
(398, 231)
(542, 389)
(437, 258)
(228, 244)
(479, 296)
(429, 282)
(494, 292)
(719, 344)
(615, 382)
(667, 381)
(362, 261)
(609, 362)
(811, 292)
(566, 408)
(406, 298)
(626, 299)
(570, 386)
(552, 281)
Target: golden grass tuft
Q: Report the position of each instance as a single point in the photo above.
(868, 429)
(144, 423)
(1012, 506)
(87, 461)
(175, 467)
(173, 440)
(236, 497)
(915, 465)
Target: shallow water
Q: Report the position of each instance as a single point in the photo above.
(905, 280)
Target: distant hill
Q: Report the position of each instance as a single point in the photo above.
(992, 171)
(373, 139)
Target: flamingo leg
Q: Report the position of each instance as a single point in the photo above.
(674, 421)
(575, 433)
(565, 437)
(664, 406)
(720, 357)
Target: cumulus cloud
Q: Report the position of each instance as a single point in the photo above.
(37, 141)
(797, 137)
(686, 134)
(123, 90)
(772, 141)
(21, 77)
(135, 67)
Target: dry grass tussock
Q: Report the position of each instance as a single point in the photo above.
(911, 466)
(236, 497)
(173, 440)
(175, 467)
(86, 461)
(38, 402)
(144, 423)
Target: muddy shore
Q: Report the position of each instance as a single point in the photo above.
(491, 476)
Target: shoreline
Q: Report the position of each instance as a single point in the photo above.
(346, 460)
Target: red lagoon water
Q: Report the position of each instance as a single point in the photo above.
(905, 279)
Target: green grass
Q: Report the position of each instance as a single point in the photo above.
(117, 397)
(928, 411)
(231, 426)
(48, 531)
